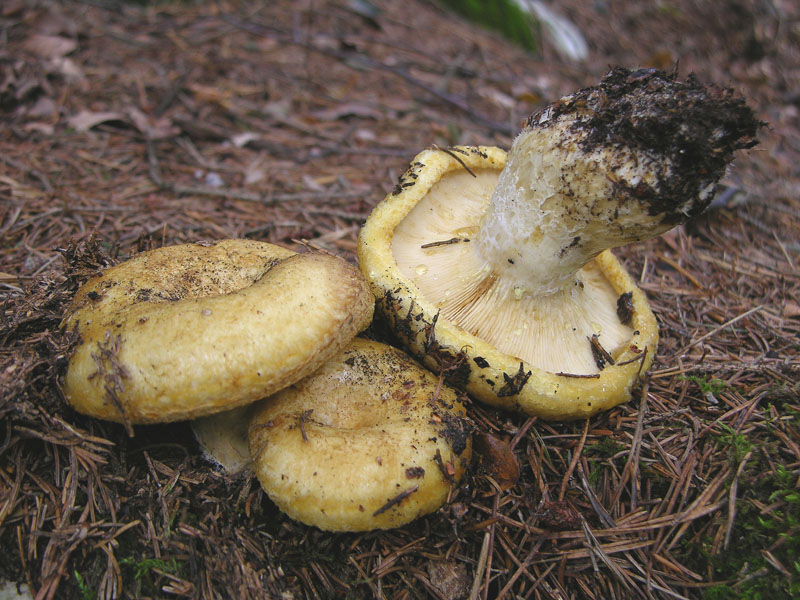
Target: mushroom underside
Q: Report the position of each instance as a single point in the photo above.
(557, 332)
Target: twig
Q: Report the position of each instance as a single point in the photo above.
(521, 569)
(683, 272)
(660, 588)
(579, 376)
(446, 473)
(490, 553)
(154, 172)
(301, 420)
(640, 357)
(112, 372)
(480, 568)
(454, 240)
(575, 456)
(11, 495)
(632, 464)
(366, 578)
(521, 432)
(396, 500)
(732, 499)
(783, 250)
(362, 61)
(46, 185)
(171, 94)
(718, 329)
(595, 547)
(702, 505)
(601, 512)
(452, 154)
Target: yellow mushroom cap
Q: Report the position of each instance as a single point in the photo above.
(514, 353)
(370, 441)
(191, 330)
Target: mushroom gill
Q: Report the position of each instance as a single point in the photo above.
(434, 247)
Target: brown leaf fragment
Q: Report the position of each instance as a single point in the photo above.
(514, 384)
(43, 108)
(155, 129)
(498, 460)
(625, 308)
(87, 119)
(49, 46)
(559, 515)
(450, 578)
(791, 309)
(600, 354)
(67, 68)
(415, 472)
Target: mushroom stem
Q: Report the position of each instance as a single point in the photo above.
(620, 162)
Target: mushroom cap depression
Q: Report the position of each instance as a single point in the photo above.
(513, 353)
(370, 441)
(195, 329)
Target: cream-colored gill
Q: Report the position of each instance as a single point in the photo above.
(552, 332)
(434, 248)
(433, 244)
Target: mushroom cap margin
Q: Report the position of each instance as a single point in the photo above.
(180, 358)
(491, 376)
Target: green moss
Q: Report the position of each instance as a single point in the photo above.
(83, 586)
(142, 567)
(606, 448)
(145, 582)
(758, 536)
(738, 444)
(599, 455)
(503, 16)
(707, 386)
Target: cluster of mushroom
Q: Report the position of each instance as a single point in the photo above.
(353, 435)
(492, 268)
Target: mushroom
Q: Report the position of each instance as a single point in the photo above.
(223, 438)
(195, 329)
(372, 440)
(495, 268)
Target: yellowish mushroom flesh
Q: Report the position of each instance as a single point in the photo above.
(223, 438)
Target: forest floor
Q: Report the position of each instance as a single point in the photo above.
(128, 126)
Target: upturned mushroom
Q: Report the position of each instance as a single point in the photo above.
(196, 329)
(494, 268)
